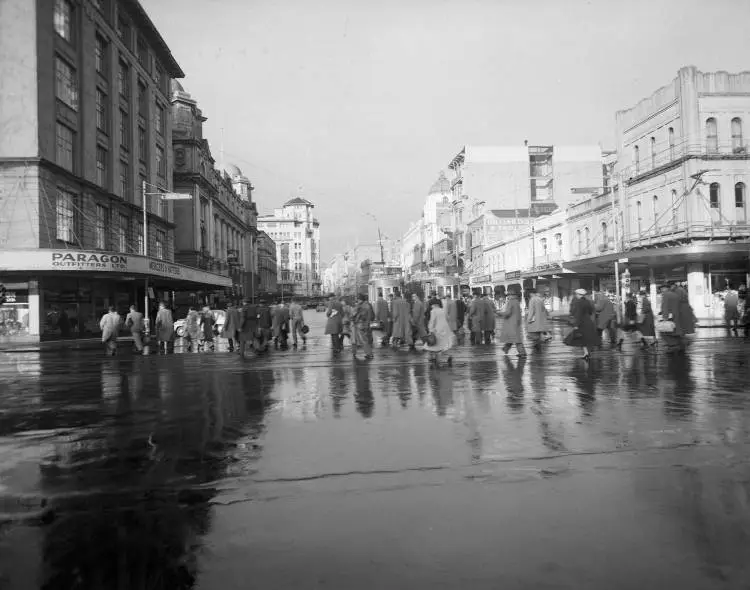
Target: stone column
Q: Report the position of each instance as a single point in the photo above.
(652, 287)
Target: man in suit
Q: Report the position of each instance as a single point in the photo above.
(134, 321)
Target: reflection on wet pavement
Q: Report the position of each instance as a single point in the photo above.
(298, 469)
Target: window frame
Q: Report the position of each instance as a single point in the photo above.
(101, 54)
(739, 190)
(59, 126)
(124, 179)
(102, 111)
(123, 79)
(737, 139)
(66, 88)
(712, 140)
(125, 141)
(714, 195)
(123, 227)
(100, 226)
(68, 227)
(102, 175)
(58, 24)
(161, 161)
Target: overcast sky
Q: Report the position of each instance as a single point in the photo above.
(363, 102)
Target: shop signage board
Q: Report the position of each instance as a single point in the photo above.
(512, 275)
(498, 276)
(102, 262)
(481, 279)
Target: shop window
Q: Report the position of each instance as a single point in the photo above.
(712, 136)
(713, 195)
(65, 216)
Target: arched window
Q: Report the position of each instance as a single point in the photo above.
(674, 208)
(587, 235)
(558, 242)
(670, 134)
(653, 152)
(737, 146)
(712, 136)
(655, 211)
(739, 195)
(605, 235)
(579, 242)
(713, 195)
(637, 159)
(543, 243)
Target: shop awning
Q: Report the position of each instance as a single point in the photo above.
(116, 266)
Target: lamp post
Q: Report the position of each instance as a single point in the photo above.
(165, 196)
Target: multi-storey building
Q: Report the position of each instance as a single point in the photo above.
(85, 117)
(681, 212)
(297, 235)
(267, 265)
(218, 225)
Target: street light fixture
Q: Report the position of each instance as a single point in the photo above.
(165, 196)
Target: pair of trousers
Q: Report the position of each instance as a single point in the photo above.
(487, 336)
(337, 341)
(297, 329)
(137, 339)
(365, 337)
(519, 347)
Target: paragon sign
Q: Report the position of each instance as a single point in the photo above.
(89, 261)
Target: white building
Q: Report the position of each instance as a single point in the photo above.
(297, 235)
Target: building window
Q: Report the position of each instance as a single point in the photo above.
(559, 242)
(122, 233)
(65, 222)
(159, 120)
(587, 236)
(674, 208)
(100, 227)
(143, 54)
(670, 138)
(66, 86)
(123, 80)
(739, 195)
(123, 31)
(101, 166)
(142, 145)
(605, 236)
(139, 237)
(639, 216)
(64, 19)
(637, 159)
(64, 147)
(713, 195)
(124, 130)
(543, 243)
(655, 210)
(101, 110)
(737, 146)
(142, 99)
(161, 238)
(102, 53)
(161, 164)
(712, 136)
(124, 180)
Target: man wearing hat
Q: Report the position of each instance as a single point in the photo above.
(606, 317)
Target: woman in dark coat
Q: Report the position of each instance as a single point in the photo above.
(647, 326)
(584, 333)
(334, 325)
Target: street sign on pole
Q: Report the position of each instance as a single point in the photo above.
(176, 197)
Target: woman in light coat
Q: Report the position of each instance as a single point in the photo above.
(164, 327)
(536, 321)
(445, 339)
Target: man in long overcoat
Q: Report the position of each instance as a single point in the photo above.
(487, 318)
(419, 330)
(606, 317)
(475, 320)
(248, 325)
(383, 317)
(511, 332)
(401, 313)
(334, 324)
(232, 326)
(536, 319)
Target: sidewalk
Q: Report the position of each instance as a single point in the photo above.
(16, 345)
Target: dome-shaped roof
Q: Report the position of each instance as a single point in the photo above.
(441, 185)
(232, 170)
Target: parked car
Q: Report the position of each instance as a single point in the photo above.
(219, 319)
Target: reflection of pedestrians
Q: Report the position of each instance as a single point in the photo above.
(513, 375)
(363, 397)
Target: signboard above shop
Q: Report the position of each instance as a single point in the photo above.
(101, 262)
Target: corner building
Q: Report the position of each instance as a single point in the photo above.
(86, 121)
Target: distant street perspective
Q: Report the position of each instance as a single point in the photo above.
(374, 295)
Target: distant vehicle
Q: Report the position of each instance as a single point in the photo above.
(320, 307)
(219, 319)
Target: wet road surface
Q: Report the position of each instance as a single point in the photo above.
(301, 470)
